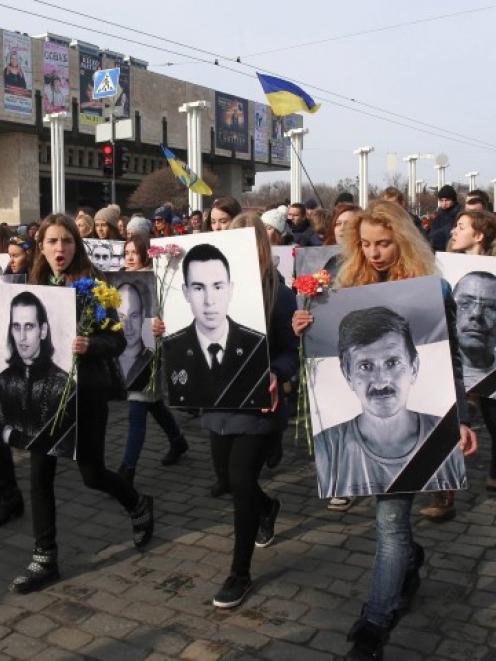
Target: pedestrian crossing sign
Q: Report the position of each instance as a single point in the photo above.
(106, 83)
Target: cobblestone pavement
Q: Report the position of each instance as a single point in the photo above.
(116, 603)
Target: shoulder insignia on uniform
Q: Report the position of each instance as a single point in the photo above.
(177, 334)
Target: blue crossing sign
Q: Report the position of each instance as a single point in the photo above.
(106, 83)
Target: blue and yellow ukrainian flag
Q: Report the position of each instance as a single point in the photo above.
(286, 98)
(185, 175)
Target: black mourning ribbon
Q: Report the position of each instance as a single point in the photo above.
(213, 350)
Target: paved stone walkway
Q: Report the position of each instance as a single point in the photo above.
(117, 604)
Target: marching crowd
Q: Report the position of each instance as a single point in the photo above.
(384, 242)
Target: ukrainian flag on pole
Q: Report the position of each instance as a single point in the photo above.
(185, 175)
(286, 98)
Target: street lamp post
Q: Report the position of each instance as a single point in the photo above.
(412, 178)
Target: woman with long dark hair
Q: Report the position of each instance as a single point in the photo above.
(382, 244)
(61, 260)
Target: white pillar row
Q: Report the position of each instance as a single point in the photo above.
(193, 124)
(363, 175)
(441, 175)
(412, 178)
(296, 138)
(56, 121)
(472, 177)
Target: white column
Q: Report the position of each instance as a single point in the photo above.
(493, 181)
(412, 178)
(472, 176)
(56, 121)
(296, 138)
(363, 175)
(193, 123)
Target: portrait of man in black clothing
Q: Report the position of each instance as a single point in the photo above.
(32, 384)
(214, 361)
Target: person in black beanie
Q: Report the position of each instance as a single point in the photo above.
(444, 221)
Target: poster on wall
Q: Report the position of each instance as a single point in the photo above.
(261, 132)
(382, 351)
(280, 145)
(473, 279)
(17, 73)
(231, 122)
(56, 85)
(215, 347)
(120, 103)
(90, 109)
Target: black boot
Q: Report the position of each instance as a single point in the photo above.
(369, 640)
(127, 473)
(41, 571)
(11, 505)
(142, 520)
(177, 448)
(412, 581)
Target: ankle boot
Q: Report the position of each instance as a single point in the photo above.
(441, 507)
(11, 505)
(41, 571)
(126, 473)
(142, 520)
(369, 640)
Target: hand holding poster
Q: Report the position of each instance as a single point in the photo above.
(381, 354)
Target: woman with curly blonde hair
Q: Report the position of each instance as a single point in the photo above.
(382, 244)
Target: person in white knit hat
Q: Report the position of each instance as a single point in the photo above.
(275, 221)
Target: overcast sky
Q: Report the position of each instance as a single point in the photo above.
(438, 72)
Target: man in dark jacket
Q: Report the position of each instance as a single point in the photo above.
(303, 234)
(444, 221)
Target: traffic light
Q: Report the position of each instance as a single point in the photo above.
(108, 156)
(122, 158)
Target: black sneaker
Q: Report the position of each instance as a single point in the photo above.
(177, 448)
(142, 520)
(11, 505)
(233, 592)
(43, 570)
(265, 535)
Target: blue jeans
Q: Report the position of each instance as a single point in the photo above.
(394, 556)
(137, 428)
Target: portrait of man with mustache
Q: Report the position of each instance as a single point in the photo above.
(365, 455)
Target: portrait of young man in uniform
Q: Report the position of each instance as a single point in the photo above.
(32, 384)
(475, 296)
(214, 361)
(365, 455)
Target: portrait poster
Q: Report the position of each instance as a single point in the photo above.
(261, 132)
(215, 347)
(17, 73)
(37, 328)
(4, 261)
(231, 122)
(312, 259)
(280, 146)
(105, 254)
(473, 280)
(283, 260)
(119, 104)
(136, 312)
(56, 85)
(381, 390)
(90, 109)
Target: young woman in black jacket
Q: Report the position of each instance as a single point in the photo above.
(240, 440)
(62, 260)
